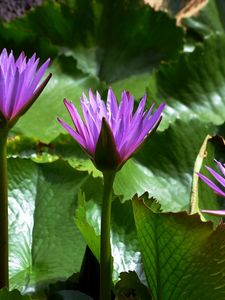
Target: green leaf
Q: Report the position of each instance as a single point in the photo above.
(12, 295)
(194, 85)
(118, 50)
(183, 257)
(136, 84)
(123, 48)
(209, 20)
(165, 172)
(101, 50)
(132, 45)
(44, 244)
(63, 146)
(60, 26)
(203, 197)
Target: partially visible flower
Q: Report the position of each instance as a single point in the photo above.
(111, 133)
(19, 84)
(217, 189)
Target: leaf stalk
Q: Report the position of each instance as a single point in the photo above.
(105, 247)
(4, 269)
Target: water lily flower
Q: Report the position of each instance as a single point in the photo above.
(217, 189)
(19, 84)
(111, 133)
(19, 88)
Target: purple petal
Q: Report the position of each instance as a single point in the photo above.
(135, 128)
(2, 90)
(140, 109)
(92, 100)
(90, 126)
(211, 184)
(72, 132)
(214, 212)
(148, 125)
(18, 81)
(19, 104)
(11, 101)
(129, 130)
(222, 168)
(112, 105)
(102, 111)
(217, 176)
(3, 56)
(21, 60)
(77, 121)
(39, 75)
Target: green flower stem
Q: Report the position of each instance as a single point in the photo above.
(105, 248)
(4, 269)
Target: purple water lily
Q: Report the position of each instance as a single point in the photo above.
(19, 87)
(128, 129)
(19, 84)
(110, 134)
(214, 187)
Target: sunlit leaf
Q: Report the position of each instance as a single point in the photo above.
(183, 257)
